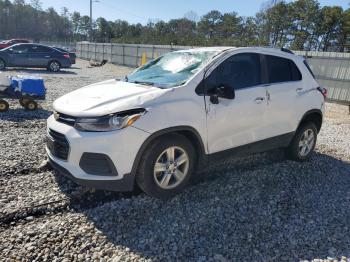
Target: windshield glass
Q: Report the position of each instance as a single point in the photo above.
(172, 69)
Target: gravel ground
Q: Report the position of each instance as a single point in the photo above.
(259, 208)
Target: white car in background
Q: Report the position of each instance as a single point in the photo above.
(180, 112)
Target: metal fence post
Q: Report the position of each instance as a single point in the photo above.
(137, 55)
(123, 54)
(89, 52)
(111, 55)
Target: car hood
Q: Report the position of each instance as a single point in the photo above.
(105, 98)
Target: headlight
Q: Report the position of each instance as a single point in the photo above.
(110, 122)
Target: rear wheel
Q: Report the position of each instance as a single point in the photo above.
(4, 106)
(54, 66)
(31, 105)
(2, 65)
(166, 167)
(303, 143)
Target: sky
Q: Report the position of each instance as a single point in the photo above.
(140, 11)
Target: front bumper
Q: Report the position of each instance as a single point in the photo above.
(125, 184)
(120, 146)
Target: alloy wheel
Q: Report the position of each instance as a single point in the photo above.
(171, 167)
(54, 66)
(306, 142)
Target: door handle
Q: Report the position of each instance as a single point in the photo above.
(259, 100)
(47, 56)
(299, 90)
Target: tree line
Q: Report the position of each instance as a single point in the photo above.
(299, 25)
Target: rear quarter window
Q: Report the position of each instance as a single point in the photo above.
(281, 69)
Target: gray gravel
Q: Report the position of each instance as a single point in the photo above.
(259, 208)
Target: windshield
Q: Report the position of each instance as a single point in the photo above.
(172, 69)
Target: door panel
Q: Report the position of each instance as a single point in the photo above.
(20, 59)
(282, 107)
(285, 85)
(40, 55)
(19, 55)
(238, 121)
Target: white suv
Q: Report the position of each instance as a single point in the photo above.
(154, 127)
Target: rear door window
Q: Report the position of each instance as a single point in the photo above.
(281, 70)
(41, 49)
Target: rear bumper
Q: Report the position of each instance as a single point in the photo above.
(126, 184)
(65, 63)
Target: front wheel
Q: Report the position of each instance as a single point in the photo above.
(303, 143)
(54, 66)
(166, 167)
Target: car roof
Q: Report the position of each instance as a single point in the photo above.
(278, 52)
(31, 44)
(266, 50)
(206, 49)
(18, 39)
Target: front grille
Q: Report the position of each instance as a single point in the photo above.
(65, 119)
(57, 144)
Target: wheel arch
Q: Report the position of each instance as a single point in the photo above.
(315, 116)
(189, 132)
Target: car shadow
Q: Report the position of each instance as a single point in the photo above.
(43, 71)
(22, 115)
(260, 208)
(74, 67)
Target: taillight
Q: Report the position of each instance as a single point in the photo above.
(66, 56)
(323, 91)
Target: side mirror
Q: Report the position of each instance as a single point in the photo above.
(223, 91)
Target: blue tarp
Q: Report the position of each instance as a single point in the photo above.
(28, 86)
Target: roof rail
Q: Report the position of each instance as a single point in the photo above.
(277, 48)
(287, 51)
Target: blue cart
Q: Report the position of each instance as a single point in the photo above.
(24, 88)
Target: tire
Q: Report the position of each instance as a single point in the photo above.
(171, 178)
(2, 65)
(4, 106)
(31, 105)
(24, 101)
(303, 142)
(54, 66)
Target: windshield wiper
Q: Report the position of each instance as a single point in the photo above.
(143, 83)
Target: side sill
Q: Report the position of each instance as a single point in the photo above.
(256, 147)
